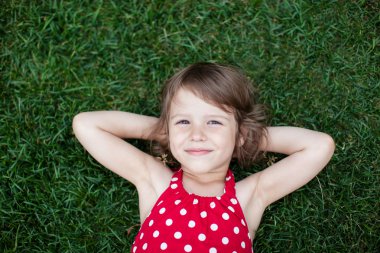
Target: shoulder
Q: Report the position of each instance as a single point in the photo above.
(160, 176)
(247, 192)
(246, 189)
(153, 185)
(157, 176)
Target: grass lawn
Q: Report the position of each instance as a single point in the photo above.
(316, 64)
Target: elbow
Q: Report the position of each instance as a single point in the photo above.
(78, 122)
(330, 143)
(327, 145)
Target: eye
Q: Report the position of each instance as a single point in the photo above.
(214, 122)
(182, 122)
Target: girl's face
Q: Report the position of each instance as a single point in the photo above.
(201, 135)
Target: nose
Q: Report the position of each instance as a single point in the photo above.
(197, 133)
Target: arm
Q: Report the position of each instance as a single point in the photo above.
(101, 134)
(308, 153)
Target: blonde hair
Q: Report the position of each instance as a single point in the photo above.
(226, 87)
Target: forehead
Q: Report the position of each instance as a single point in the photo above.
(186, 101)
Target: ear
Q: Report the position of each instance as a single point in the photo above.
(242, 135)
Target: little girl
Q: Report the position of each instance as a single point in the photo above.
(208, 117)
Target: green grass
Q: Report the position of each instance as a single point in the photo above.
(316, 63)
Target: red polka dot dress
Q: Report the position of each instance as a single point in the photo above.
(185, 222)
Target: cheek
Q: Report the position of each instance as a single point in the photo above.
(230, 141)
(173, 141)
(173, 150)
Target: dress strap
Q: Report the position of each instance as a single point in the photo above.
(229, 185)
(230, 182)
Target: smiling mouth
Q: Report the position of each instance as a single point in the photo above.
(198, 152)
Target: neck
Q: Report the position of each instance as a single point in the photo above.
(207, 185)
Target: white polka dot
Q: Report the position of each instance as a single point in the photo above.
(174, 179)
(177, 235)
(234, 201)
(160, 202)
(218, 198)
(243, 245)
(214, 227)
(191, 224)
(151, 223)
(183, 211)
(163, 246)
(204, 214)
(212, 204)
(225, 216)
(231, 209)
(195, 201)
(225, 240)
(173, 186)
(141, 236)
(169, 222)
(156, 234)
(162, 210)
(236, 230)
(177, 201)
(188, 248)
(212, 250)
(201, 237)
(249, 236)
(228, 178)
(242, 222)
(145, 246)
(234, 251)
(134, 249)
